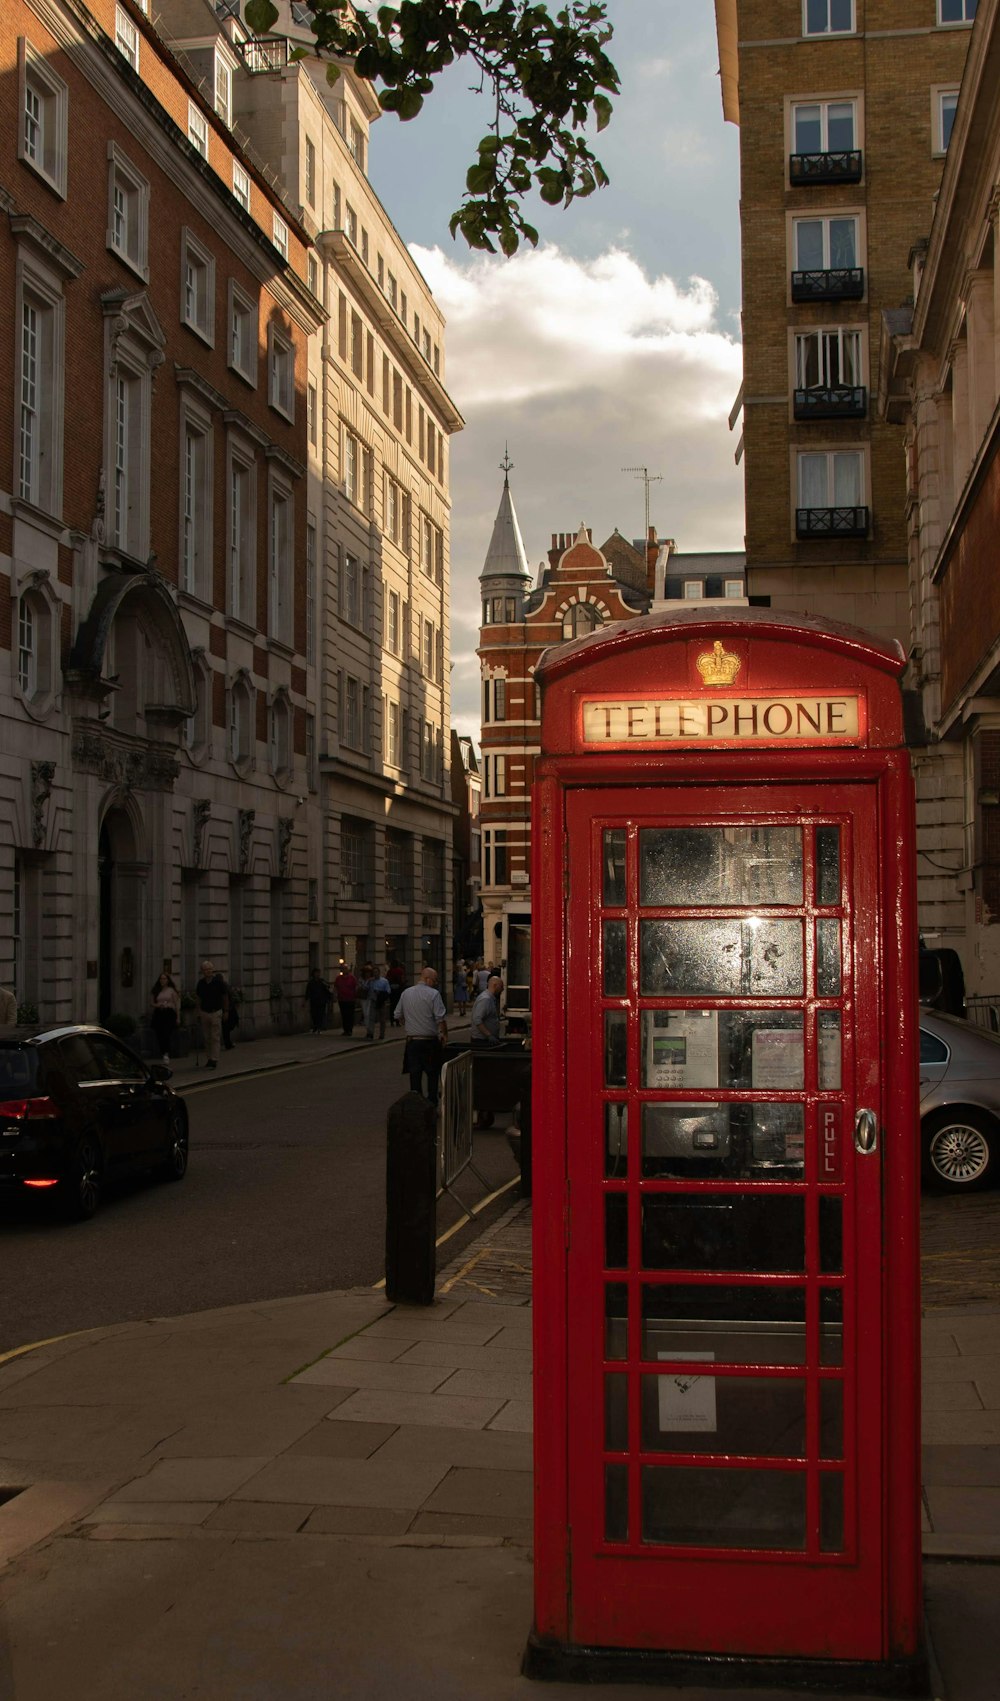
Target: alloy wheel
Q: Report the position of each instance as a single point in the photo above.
(960, 1154)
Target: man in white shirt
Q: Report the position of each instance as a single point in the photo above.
(422, 1013)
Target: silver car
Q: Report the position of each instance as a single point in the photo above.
(959, 1103)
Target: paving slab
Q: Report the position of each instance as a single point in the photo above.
(357, 1521)
(480, 1492)
(457, 1355)
(977, 1428)
(174, 1512)
(365, 1373)
(956, 1466)
(344, 1482)
(267, 1424)
(259, 1517)
(488, 1449)
(475, 1329)
(191, 1479)
(517, 1415)
(972, 1511)
(503, 1384)
(454, 1524)
(375, 1405)
(951, 1396)
(342, 1440)
(42, 1509)
(966, 1369)
(93, 1434)
(381, 1347)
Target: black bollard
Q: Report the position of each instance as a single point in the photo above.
(410, 1200)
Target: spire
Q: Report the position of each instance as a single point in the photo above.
(505, 558)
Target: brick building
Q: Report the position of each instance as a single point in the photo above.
(940, 380)
(153, 528)
(844, 109)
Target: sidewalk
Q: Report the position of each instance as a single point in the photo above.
(281, 1051)
(330, 1497)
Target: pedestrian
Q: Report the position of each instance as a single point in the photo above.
(395, 974)
(422, 1013)
(231, 1018)
(486, 1014)
(166, 1012)
(345, 987)
(212, 998)
(461, 986)
(317, 995)
(8, 1008)
(375, 991)
(481, 978)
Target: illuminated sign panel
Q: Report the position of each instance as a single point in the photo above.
(812, 719)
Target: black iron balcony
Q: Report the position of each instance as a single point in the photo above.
(832, 401)
(831, 522)
(841, 166)
(838, 283)
(262, 54)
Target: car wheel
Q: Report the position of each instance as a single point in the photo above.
(959, 1151)
(174, 1166)
(83, 1187)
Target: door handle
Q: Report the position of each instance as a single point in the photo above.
(865, 1132)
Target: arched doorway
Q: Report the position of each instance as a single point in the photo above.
(121, 886)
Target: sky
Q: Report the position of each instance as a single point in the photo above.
(615, 343)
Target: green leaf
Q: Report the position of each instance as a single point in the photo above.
(261, 15)
(410, 103)
(508, 240)
(603, 109)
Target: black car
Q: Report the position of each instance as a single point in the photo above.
(77, 1108)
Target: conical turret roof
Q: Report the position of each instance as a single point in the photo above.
(505, 557)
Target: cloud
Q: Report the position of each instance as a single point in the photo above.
(583, 367)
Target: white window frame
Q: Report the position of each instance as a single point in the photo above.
(280, 372)
(393, 509)
(197, 129)
(280, 561)
(122, 174)
(813, 35)
(279, 236)
(127, 37)
(693, 590)
(195, 550)
(40, 480)
(830, 450)
(312, 413)
(311, 563)
(27, 647)
(223, 75)
(242, 306)
(733, 588)
(309, 171)
(824, 103)
(393, 741)
(241, 532)
(941, 93)
(826, 335)
(427, 649)
(393, 623)
(826, 218)
(197, 287)
(42, 136)
(963, 23)
(241, 185)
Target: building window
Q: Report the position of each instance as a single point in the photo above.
(241, 709)
(281, 736)
(354, 713)
(580, 618)
(311, 590)
(494, 699)
(494, 776)
(40, 395)
(432, 869)
(280, 567)
(824, 127)
(734, 588)
(281, 373)
(397, 868)
(430, 753)
(428, 649)
(242, 334)
(494, 856)
(42, 141)
(828, 244)
(241, 184)
(352, 862)
(279, 231)
(126, 37)
(945, 107)
(831, 494)
(392, 627)
(197, 129)
(223, 89)
(393, 735)
(356, 143)
(957, 11)
(197, 287)
(242, 536)
(128, 211)
(694, 590)
(196, 507)
(27, 648)
(827, 359)
(128, 430)
(312, 274)
(312, 414)
(310, 172)
(827, 17)
(355, 593)
(351, 225)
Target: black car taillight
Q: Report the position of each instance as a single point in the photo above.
(29, 1110)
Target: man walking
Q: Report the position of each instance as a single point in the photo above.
(486, 1014)
(212, 998)
(422, 1013)
(345, 986)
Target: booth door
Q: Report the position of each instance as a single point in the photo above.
(724, 1400)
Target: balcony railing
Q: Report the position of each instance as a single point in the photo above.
(838, 283)
(842, 166)
(833, 401)
(353, 891)
(266, 53)
(831, 522)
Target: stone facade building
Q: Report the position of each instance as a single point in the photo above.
(153, 686)
(940, 380)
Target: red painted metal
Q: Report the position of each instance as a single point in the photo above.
(600, 1586)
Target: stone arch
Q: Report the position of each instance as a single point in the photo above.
(133, 623)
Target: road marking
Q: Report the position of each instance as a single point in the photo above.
(50, 1341)
(473, 1214)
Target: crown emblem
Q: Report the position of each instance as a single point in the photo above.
(718, 666)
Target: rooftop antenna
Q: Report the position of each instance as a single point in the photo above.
(506, 465)
(648, 478)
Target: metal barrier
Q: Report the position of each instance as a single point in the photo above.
(454, 1119)
(983, 1011)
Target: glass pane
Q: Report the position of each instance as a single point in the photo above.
(616, 1231)
(706, 1507)
(733, 1325)
(724, 1231)
(828, 865)
(831, 1420)
(827, 958)
(843, 242)
(616, 1141)
(831, 1512)
(840, 125)
(808, 137)
(722, 1048)
(831, 1236)
(831, 1326)
(615, 1320)
(615, 1047)
(760, 958)
(847, 471)
(614, 959)
(814, 483)
(761, 1415)
(729, 1140)
(829, 1051)
(614, 866)
(679, 866)
(616, 1503)
(616, 1414)
(809, 245)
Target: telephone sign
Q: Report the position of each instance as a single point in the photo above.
(725, 1184)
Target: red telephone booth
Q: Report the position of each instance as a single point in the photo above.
(726, 1159)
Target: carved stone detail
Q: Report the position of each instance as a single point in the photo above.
(201, 812)
(42, 776)
(246, 819)
(285, 825)
(131, 769)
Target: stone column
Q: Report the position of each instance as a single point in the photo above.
(981, 343)
(961, 421)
